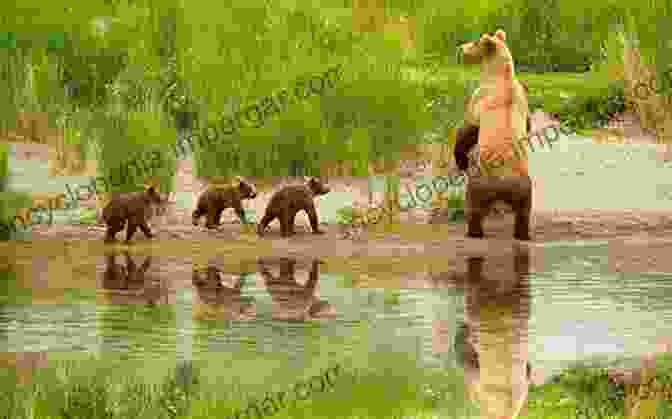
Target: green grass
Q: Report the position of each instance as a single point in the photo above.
(582, 100)
(384, 386)
(584, 387)
(380, 386)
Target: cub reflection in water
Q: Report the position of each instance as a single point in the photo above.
(491, 344)
(128, 277)
(216, 299)
(291, 300)
(129, 284)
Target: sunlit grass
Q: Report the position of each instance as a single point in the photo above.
(368, 384)
(364, 384)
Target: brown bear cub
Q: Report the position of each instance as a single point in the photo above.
(215, 200)
(288, 201)
(134, 208)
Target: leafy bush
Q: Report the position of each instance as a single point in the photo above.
(583, 112)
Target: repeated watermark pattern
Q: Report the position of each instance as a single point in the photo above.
(441, 184)
(46, 215)
(519, 149)
(264, 109)
(269, 405)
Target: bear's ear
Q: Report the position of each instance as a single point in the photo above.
(501, 35)
(151, 190)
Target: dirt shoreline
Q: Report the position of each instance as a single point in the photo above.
(422, 231)
(637, 242)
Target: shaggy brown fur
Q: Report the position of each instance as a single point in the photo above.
(214, 201)
(135, 208)
(288, 201)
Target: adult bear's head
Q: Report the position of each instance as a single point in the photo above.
(491, 52)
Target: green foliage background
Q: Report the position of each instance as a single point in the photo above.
(160, 67)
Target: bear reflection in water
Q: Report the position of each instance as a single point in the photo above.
(220, 299)
(491, 343)
(291, 300)
(128, 283)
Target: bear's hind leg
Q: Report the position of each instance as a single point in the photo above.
(130, 230)
(212, 218)
(479, 199)
(292, 221)
(475, 224)
(114, 226)
(286, 223)
(523, 208)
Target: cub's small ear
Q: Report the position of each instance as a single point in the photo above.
(151, 190)
(500, 34)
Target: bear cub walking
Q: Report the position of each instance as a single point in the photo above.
(134, 208)
(215, 200)
(288, 201)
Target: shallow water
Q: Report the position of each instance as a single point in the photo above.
(570, 307)
(578, 309)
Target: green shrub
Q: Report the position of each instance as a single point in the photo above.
(582, 112)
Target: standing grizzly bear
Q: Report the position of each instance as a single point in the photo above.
(466, 137)
(135, 208)
(215, 200)
(500, 111)
(288, 201)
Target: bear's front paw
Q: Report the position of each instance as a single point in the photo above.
(523, 237)
(318, 232)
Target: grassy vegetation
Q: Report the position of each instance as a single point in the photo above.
(387, 385)
(158, 68)
(177, 58)
(584, 390)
